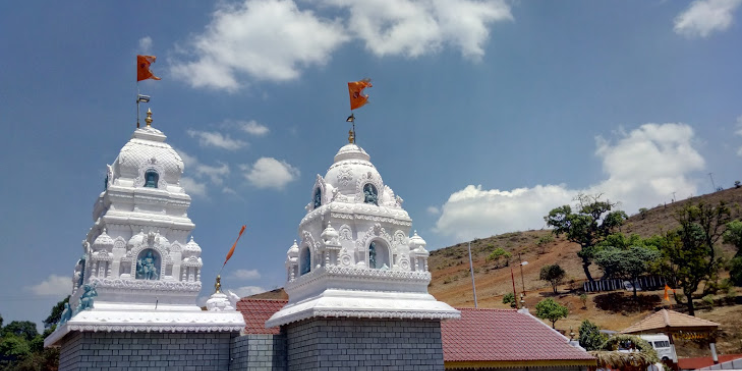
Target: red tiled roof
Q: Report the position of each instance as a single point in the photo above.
(701, 362)
(504, 335)
(256, 312)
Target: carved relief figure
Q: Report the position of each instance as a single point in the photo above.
(147, 266)
(370, 194)
(66, 314)
(87, 298)
(372, 255)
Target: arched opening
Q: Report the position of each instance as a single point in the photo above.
(148, 265)
(305, 261)
(151, 178)
(378, 255)
(317, 197)
(370, 194)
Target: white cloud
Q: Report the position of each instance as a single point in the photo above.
(246, 274)
(145, 45)
(248, 291)
(193, 187)
(432, 210)
(53, 286)
(644, 167)
(252, 127)
(703, 17)
(264, 39)
(417, 27)
(267, 172)
(216, 139)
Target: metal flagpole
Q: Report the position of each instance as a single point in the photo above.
(515, 294)
(471, 268)
(137, 104)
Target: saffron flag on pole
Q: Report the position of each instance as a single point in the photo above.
(667, 289)
(231, 251)
(355, 90)
(143, 63)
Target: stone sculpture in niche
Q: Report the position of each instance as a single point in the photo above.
(147, 266)
(66, 314)
(87, 298)
(370, 194)
(372, 255)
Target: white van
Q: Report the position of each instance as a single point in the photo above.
(661, 344)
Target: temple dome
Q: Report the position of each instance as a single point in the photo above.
(191, 249)
(146, 150)
(293, 250)
(351, 165)
(103, 242)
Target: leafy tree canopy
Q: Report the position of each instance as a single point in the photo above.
(24, 329)
(554, 274)
(56, 313)
(590, 224)
(509, 298)
(733, 235)
(551, 310)
(590, 336)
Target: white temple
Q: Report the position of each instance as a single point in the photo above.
(138, 270)
(355, 257)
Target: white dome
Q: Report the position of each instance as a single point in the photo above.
(329, 234)
(145, 150)
(137, 239)
(351, 166)
(103, 242)
(293, 250)
(191, 249)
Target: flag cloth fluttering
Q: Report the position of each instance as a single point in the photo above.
(231, 251)
(355, 90)
(667, 289)
(143, 63)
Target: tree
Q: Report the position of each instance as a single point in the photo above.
(551, 310)
(498, 254)
(554, 274)
(24, 329)
(643, 212)
(509, 298)
(1, 321)
(56, 313)
(735, 271)
(592, 222)
(13, 349)
(626, 258)
(733, 235)
(688, 254)
(590, 336)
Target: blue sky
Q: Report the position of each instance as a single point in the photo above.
(484, 115)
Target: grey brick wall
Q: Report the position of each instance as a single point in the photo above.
(88, 351)
(259, 353)
(364, 344)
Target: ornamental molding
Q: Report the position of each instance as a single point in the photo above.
(134, 285)
(353, 273)
(349, 313)
(375, 232)
(320, 184)
(400, 239)
(346, 163)
(369, 178)
(345, 233)
(155, 165)
(308, 240)
(345, 175)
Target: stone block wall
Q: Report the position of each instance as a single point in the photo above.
(335, 344)
(259, 353)
(88, 351)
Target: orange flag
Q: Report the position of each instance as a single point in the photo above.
(355, 90)
(667, 289)
(231, 251)
(143, 72)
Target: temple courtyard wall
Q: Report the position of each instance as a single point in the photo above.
(364, 344)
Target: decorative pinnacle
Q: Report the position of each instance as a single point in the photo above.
(351, 136)
(148, 120)
(218, 285)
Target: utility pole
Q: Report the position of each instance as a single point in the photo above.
(473, 286)
(521, 275)
(673, 196)
(711, 175)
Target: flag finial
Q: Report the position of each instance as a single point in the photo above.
(351, 136)
(149, 120)
(218, 285)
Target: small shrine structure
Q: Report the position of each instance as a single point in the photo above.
(356, 277)
(139, 273)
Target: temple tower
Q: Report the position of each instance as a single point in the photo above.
(356, 280)
(139, 273)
